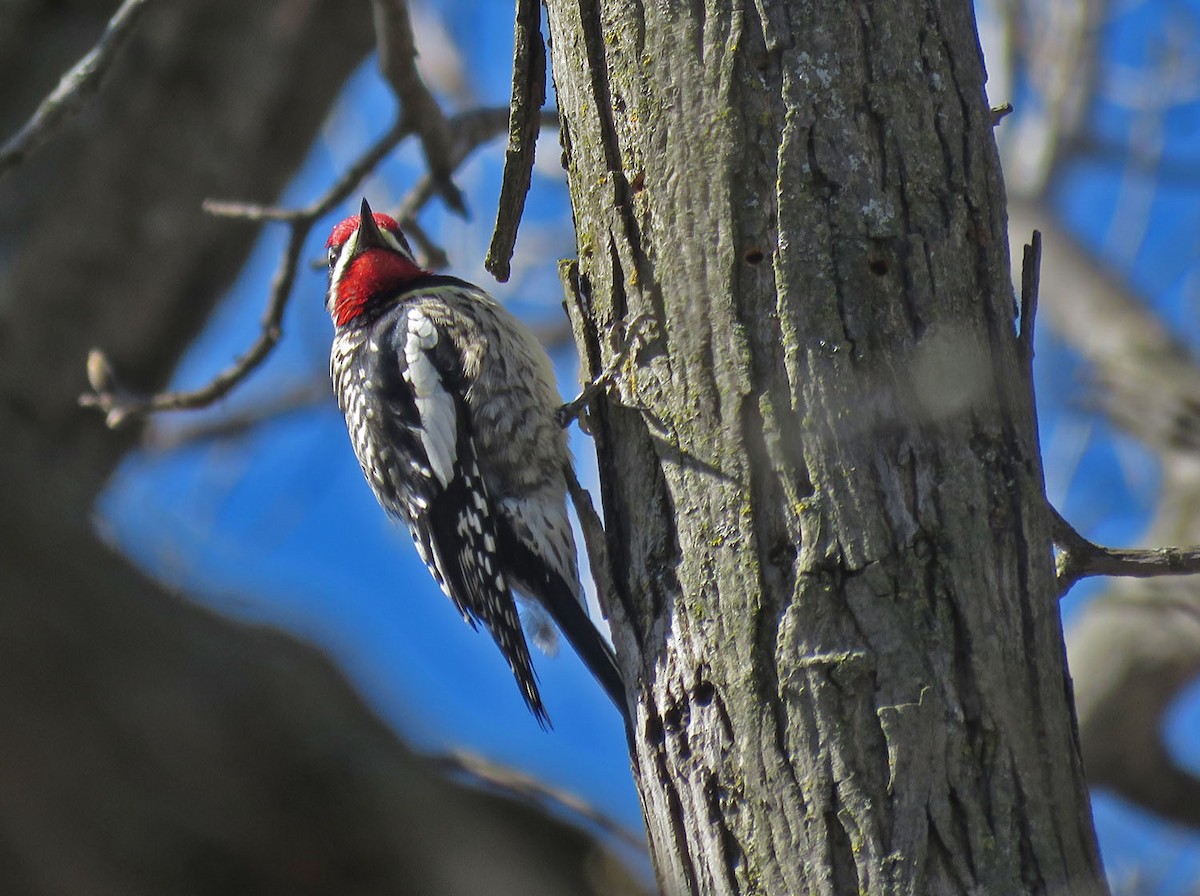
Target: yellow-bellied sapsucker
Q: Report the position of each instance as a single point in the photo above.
(451, 407)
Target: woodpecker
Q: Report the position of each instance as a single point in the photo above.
(451, 407)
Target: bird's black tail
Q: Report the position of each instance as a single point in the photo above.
(568, 613)
(578, 628)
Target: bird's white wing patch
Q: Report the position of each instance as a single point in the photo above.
(435, 406)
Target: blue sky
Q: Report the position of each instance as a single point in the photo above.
(277, 526)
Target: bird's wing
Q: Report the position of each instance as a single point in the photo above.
(446, 503)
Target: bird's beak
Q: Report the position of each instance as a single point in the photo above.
(369, 236)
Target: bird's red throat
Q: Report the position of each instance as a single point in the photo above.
(372, 277)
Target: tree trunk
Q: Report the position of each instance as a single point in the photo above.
(821, 483)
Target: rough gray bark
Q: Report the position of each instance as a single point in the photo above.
(822, 484)
(147, 747)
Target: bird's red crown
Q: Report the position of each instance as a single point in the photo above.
(378, 270)
(342, 231)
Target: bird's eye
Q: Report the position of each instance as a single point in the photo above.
(333, 257)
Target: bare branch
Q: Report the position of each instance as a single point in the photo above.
(1031, 273)
(593, 540)
(431, 255)
(1079, 558)
(303, 397)
(640, 331)
(119, 405)
(76, 85)
(471, 130)
(341, 188)
(1055, 45)
(527, 789)
(600, 563)
(419, 110)
(249, 211)
(528, 95)
(1135, 648)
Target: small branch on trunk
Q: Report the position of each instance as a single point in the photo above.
(638, 334)
(74, 88)
(1079, 558)
(419, 110)
(593, 539)
(1031, 274)
(528, 95)
(595, 544)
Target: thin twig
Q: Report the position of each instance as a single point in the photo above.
(528, 95)
(1079, 558)
(1031, 273)
(593, 540)
(73, 88)
(418, 107)
(360, 168)
(471, 130)
(304, 397)
(639, 332)
(430, 254)
(119, 405)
